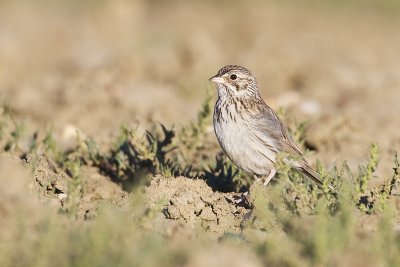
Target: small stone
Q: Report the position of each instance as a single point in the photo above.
(310, 107)
(208, 215)
(62, 196)
(173, 212)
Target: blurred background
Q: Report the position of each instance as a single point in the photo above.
(94, 65)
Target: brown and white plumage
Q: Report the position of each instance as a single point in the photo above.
(248, 130)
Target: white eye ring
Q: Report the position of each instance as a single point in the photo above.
(233, 77)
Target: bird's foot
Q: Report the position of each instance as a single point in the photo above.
(265, 179)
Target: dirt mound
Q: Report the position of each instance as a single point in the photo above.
(85, 193)
(192, 201)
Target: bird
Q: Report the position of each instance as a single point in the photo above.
(249, 131)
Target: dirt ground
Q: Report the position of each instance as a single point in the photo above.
(90, 67)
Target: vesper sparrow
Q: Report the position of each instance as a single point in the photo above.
(248, 130)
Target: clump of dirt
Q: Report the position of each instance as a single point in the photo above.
(97, 186)
(193, 202)
(96, 189)
(86, 192)
(49, 179)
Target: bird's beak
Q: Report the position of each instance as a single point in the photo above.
(216, 79)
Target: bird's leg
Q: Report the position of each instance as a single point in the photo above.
(270, 175)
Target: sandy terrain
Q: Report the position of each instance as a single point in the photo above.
(85, 69)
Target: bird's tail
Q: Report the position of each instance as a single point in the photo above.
(313, 175)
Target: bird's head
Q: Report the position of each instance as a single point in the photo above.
(235, 81)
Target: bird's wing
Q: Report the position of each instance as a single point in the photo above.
(268, 123)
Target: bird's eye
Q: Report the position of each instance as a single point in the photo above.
(233, 77)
